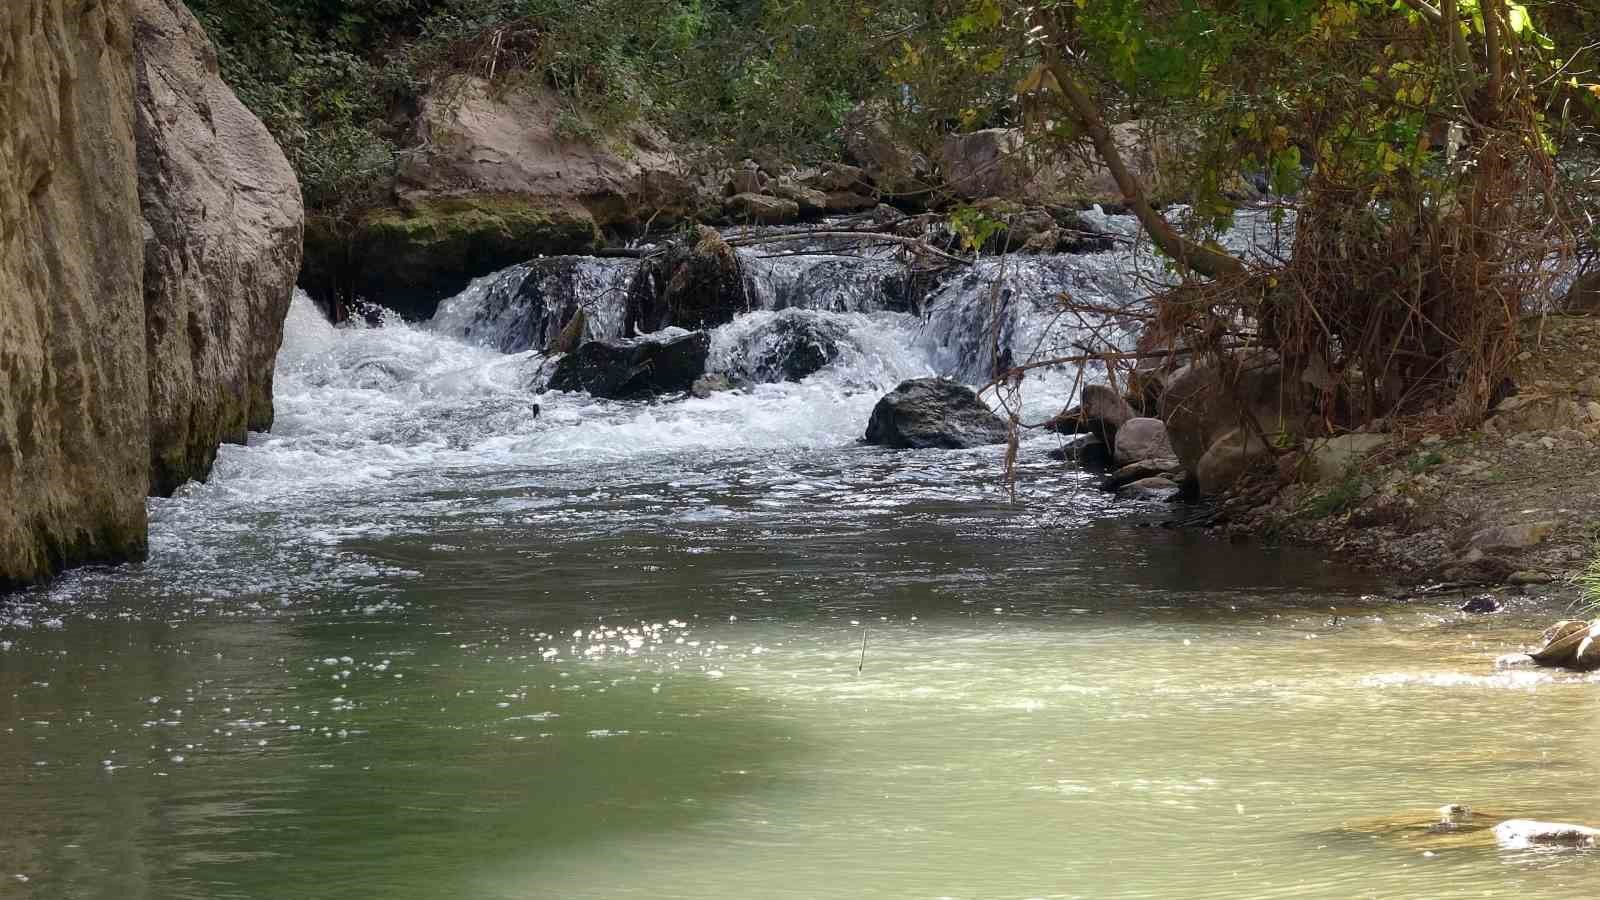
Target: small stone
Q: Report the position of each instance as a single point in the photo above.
(1154, 488)
(1529, 576)
(1518, 834)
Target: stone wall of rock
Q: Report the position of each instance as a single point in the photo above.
(149, 242)
(223, 221)
(73, 395)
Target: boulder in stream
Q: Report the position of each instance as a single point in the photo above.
(634, 369)
(794, 344)
(1140, 439)
(1570, 644)
(1155, 487)
(1519, 834)
(934, 412)
(1100, 411)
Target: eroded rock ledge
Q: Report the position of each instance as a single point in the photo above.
(149, 241)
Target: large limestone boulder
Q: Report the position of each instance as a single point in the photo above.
(74, 406)
(223, 221)
(999, 162)
(1230, 458)
(1141, 439)
(1332, 458)
(496, 181)
(934, 412)
(1208, 400)
(762, 209)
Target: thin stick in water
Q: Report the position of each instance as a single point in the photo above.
(863, 663)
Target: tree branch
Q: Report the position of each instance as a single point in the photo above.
(1191, 254)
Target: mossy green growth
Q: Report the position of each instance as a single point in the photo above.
(1339, 497)
(449, 233)
(410, 259)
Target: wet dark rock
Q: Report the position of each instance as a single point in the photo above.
(796, 344)
(1481, 604)
(634, 369)
(1087, 450)
(715, 383)
(698, 285)
(934, 412)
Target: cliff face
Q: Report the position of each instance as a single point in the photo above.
(223, 221)
(149, 241)
(73, 395)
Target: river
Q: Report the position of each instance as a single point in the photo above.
(419, 642)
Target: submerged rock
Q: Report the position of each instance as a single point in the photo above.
(706, 385)
(1086, 450)
(934, 412)
(1156, 487)
(634, 369)
(1518, 834)
(1570, 644)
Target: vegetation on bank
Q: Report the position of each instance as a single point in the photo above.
(1415, 142)
(339, 81)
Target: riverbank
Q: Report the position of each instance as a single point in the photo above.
(1510, 503)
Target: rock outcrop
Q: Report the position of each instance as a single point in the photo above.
(149, 242)
(497, 181)
(934, 412)
(636, 369)
(223, 221)
(73, 395)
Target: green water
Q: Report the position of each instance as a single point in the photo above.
(419, 644)
(1101, 711)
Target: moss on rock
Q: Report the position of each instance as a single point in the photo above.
(410, 259)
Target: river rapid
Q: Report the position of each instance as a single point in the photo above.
(420, 642)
